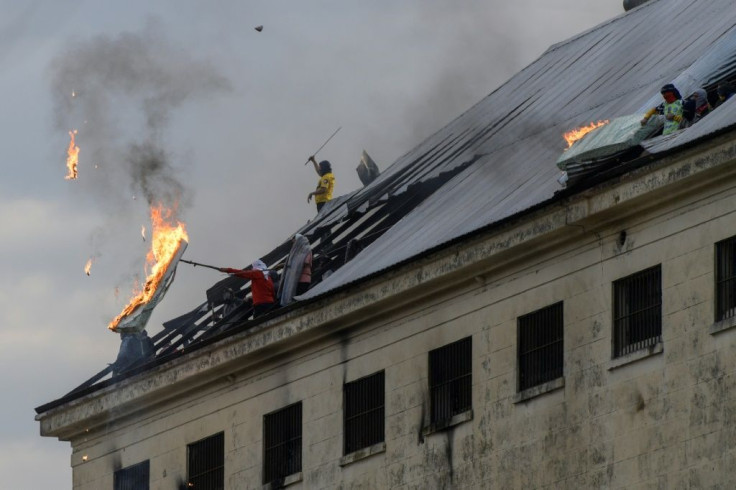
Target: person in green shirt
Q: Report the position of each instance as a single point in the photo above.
(671, 109)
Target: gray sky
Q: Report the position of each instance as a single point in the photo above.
(231, 115)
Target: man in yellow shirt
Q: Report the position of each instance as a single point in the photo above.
(326, 183)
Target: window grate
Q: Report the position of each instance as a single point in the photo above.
(540, 347)
(450, 380)
(726, 279)
(364, 412)
(135, 477)
(282, 443)
(206, 463)
(637, 310)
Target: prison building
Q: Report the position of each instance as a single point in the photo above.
(473, 323)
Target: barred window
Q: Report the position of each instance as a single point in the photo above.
(364, 412)
(540, 346)
(637, 311)
(282, 441)
(450, 380)
(206, 463)
(725, 279)
(133, 477)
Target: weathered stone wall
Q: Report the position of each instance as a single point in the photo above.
(667, 419)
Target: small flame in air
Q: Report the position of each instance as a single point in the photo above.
(88, 266)
(166, 238)
(572, 136)
(143, 233)
(74, 94)
(72, 158)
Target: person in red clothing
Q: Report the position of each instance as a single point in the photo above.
(261, 286)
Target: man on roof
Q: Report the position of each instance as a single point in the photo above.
(671, 109)
(326, 183)
(261, 286)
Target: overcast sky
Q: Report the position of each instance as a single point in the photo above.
(230, 115)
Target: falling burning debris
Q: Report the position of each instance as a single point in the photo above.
(143, 233)
(74, 94)
(88, 266)
(168, 243)
(572, 136)
(72, 157)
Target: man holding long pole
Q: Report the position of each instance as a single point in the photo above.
(261, 283)
(326, 184)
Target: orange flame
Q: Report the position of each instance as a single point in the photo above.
(72, 158)
(165, 242)
(88, 266)
(574, 135)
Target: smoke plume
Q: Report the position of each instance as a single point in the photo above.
(120, 93)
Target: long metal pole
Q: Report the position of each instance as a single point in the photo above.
(195, 264)
(323, 144)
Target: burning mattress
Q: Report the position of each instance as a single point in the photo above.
(619, 135)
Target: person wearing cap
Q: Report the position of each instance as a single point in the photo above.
(671, 109)
(326, 183)
(261, 286)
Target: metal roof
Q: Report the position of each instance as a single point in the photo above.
(496, 160)
(610, 71)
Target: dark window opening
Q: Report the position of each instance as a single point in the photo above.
(637, 311)
(282, 441)
(450, 380)
(364, 412)
(206, 463)
(133, 477)
(540, 346)
(726, 279)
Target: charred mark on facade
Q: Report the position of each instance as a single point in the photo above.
(449, 434)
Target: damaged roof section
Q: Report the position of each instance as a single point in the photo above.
(496, 160)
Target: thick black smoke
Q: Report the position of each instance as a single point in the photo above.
(121, 93)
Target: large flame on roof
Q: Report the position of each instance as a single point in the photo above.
(167, 239)
(574, 135)
(72, 157)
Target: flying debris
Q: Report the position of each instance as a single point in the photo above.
(259, 28)
(143, 233)
(88, 266)
(72, 157)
